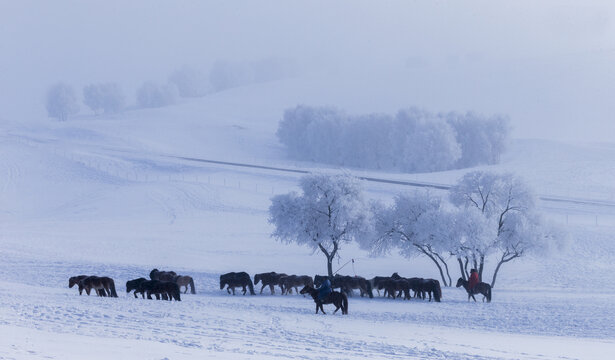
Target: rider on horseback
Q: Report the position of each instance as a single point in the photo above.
(473, 280)
(324, 290)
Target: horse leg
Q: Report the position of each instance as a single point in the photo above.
(244, 290)
(322, 309)
(271, 288)
(473, 297)
(262, 287)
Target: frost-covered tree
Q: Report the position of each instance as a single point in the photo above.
(508, 205)
(105, 97)
(330, 211)
(413, 225)
(482, 139)
(61, 101)
(226, 74)
(190, 82)
(152, 95)
(426, 143)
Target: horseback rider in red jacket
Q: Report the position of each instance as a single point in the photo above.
(473, 280)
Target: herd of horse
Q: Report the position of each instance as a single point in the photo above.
(166, 285)
(163, 285)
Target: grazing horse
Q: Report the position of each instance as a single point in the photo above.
(287, 283)
(185, 280)
(340, 300)
(74, 280)
(270, 279)
(135, 285)
(104, 286)
(236, 279)
(480, 288)
(162, 275)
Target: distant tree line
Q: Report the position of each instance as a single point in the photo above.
(184, 82)
(411, 141)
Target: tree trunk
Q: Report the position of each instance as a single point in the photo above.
(463, 274)
(330, 266)
(480, 268)
(465, 266)
(450, 282)
(497, 268)
(421, 249)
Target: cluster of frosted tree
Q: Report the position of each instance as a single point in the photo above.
(228, 74)
(411, 141)
(489, 217)
(104, 97)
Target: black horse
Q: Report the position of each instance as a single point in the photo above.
(430, 287)
(270, 279)
(480, 288)
(168, 290)
(236, 279)
(162, 275)
(134, 285)
(340, 300)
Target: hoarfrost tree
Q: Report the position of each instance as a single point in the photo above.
(61, 101)
(508, 205)
(408, 226)
(330, 211)
(190, 82)
(106, 97)
(152, 95)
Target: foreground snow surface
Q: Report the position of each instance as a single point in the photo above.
(48, 320)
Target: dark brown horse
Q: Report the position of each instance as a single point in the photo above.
(74, 280)
(167, 289)
(347, 283)
(394, 288)
(480, 288)
(162, 275)
(270, 279)
(104, 286)
(340, 300)
(287, 283)
(236, 279)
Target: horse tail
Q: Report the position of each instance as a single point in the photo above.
(344, 304)
(437, 293)
(251, 286)
(489, 294)
(176, 292)
(112, 286)
(192, 286)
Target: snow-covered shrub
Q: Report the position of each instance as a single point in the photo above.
(106, 97)
(190, 82)
(152, 95)
(61, 101)
(330, 211)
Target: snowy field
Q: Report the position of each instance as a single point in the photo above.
(103, 196)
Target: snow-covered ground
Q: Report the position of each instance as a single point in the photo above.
(100, 195)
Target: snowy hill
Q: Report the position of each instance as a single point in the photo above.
(106, 195)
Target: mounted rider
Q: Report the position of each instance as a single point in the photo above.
(324, 290)
(473, 280)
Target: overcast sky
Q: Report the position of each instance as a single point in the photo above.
(550, 65)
